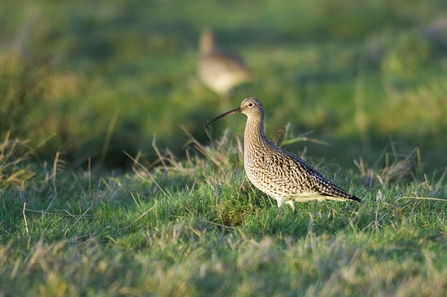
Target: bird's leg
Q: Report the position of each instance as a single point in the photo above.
(292, 205)
(289, 202)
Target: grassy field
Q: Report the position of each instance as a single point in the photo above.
(92, 80)
(109, 186)
(197, 228)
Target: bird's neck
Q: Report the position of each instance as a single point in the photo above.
(254, 133)
(207, 44)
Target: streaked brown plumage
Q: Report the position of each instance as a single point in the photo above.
(276, 172)
(220, 71)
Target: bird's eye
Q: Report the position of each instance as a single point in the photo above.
(250, 104)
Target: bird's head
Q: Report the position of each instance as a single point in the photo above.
(251, 107)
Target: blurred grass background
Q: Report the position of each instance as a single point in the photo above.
(92, 79)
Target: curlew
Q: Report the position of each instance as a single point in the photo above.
(220, 71)
(276, 172)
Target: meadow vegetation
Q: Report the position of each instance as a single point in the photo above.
(110, 187)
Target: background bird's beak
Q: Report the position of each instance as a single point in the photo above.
(233, 111)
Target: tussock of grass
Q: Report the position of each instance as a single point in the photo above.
(13, 170)
(395, 170)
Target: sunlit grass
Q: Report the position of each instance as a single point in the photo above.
(197, 227)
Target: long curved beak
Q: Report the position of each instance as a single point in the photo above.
(233, 111)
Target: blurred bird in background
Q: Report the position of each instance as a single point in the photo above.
(220, 70)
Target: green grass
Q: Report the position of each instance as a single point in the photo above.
(198, 228)
(109, 186)
(92, 80)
